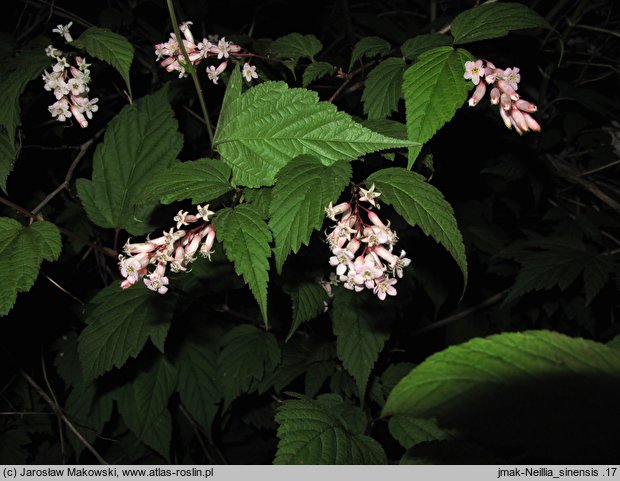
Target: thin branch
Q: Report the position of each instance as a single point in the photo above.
(464, 313)
(57, 408)
(598, 169)
(349, 78)
(65, 183)
(61, 288)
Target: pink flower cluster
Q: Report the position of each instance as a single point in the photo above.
(220, 49)
(375, 267)
(514, 111)
(69, 84)
(176, 248)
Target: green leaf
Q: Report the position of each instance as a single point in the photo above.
(317, 432)
(494, 20)
(539, 391)
(246, 239)
(260, 199)
(139, 142)
(198, 382)
(303, 189)
(271, 124)
(110, 47)
(315, 71)
(200, 180)
(296, 46)
(22, 250)
(369, 47)
(17, 72)
(559, 264)
(421, 43)
(8, 153)
(434, 89)
(119, 326)
(410, 431)
(419, 203)
(233, 92)
(294, 364)
(360, 335)
(247, 355)
(143, 404)
(383, 88)
(308, 302)
(389, 128)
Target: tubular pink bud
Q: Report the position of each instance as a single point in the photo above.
(78, 116)
(506, 102)
(494, 95)
(505, 118)
(531, 123)
(507, 89)
(481, 88)
(354, 245)
(126, 284)
(374, 218)
(526, 106)
(517, 116)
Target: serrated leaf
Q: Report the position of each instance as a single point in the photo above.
(369, 47)
(233, 92)
(246, 239)
(119, 326)
(316, 375)
(389, 128)
(315, 432)
(295, 46)
(260, 199)
(419, 203)
(410, 431)
(198, 382)
(308, 302)
(421, 43)
(110, 47)
(271, 124)
(559, 264)
(360, 335)
(140, 141)
(294, 364)
(200, 180)
(434, 89)
(19, 71)
(494, 20)
(22, 250)
(393, 374)
(8, 153)
(143, 405)
(383, 88)
(247, 354)
(539, 391)
(315, 71)
(304, 188)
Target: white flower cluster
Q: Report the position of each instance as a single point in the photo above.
(176, 248)
(376, 267)
(69, 84)
(215, 49)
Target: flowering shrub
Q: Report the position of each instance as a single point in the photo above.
(305, 248)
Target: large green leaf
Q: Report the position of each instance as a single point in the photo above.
(119, 326)
(410, 431)
(246, 238)
(247, 355)
(383, 88)
(540, 391)
(493, 20)
(422, 204)
(369, 47)
(271, 124)
(110, 47)
(200, 180)
(17, 72)
(8, 153)
(295, 45)
(360, 335)
(143, 404)
(558, 263)
(303, 189)
(22, 249)
(198, 382)
(324, 432)
(434, 89)
(139, 142)
(419, 44)
(309, 300)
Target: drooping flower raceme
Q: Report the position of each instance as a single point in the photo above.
(69, 84)
(362, 249)
(218, 51)
(175, 249)
(515, 112)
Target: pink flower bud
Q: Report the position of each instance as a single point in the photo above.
(507, 89)
(374, 218)
(126, 284)
(525, 106)
(78, 116)
(517, 116)
(506, 102)
(494, 95)
(481, 88)
(531, 123)
(506, 118)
